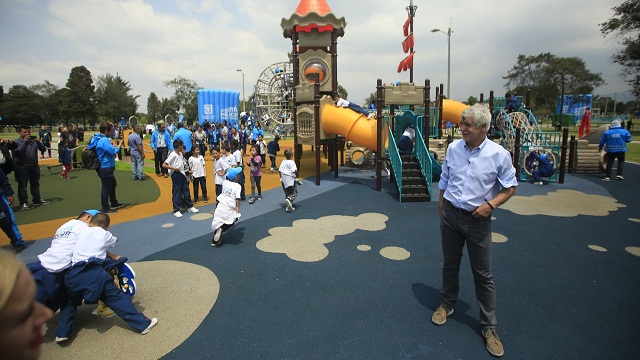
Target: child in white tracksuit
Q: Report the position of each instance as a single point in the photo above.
(288, 171)
(227, 211)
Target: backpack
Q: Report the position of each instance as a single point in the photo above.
(90, 159)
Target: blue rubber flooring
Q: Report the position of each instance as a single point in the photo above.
(557, 298)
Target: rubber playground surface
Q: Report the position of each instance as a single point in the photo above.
(354, 274)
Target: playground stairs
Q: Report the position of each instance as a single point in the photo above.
(414, 186)
(588, 158)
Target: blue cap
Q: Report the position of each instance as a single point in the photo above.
(543, 156)
(92, 212)
(233, 172)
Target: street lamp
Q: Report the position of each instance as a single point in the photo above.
(244, 106)
(448, 33)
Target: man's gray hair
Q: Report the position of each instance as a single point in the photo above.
(480, 114)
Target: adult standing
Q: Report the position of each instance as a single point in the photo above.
(161, 144)
(137, 154)
(27, 171)
(585, 123)
(45, 139)
(106, 155)
(614, 141)
(185, 135)
(477, 177)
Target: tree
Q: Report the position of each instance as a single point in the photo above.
(370, 100)
(49, 110)
(113, 100)
(185, 95)
(169, 107)
(549, 76)
(471, 100)
(21, 106)
(625, 23)
(343, 92)
(82, 92)
(153, 107)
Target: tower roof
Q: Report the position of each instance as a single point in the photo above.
(319, 6)
(313, 15)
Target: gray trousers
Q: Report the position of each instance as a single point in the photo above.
(459, 227)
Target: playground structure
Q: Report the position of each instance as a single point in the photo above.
(314, 31)
(273, 93)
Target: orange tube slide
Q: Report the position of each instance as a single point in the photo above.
(362, 131)
(452, 111)
(348, 123)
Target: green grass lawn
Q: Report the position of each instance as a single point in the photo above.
(633, 153)
(69, 197)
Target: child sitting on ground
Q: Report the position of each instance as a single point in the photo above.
(88, 280)
(199, 175)
(288, 171)
(255, 171)
(227, 211)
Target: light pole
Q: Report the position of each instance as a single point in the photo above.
(448, 33)
(244, 106)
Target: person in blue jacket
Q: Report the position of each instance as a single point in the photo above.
(513, 104)
(185, 135)
(545, 168)
(7, 220)
(161, 144)
(614, 141)
(106, 155)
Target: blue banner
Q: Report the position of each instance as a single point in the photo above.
(574, 104)
(216, 106)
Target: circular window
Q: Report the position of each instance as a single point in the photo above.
(315, 66)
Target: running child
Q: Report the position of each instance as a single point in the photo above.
(288, 171)
(219, 170)
(65, 159)
(227, 211)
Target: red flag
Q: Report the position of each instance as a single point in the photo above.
(405, 27)
(407, 44)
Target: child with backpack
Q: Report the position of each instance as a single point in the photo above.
(272, 149)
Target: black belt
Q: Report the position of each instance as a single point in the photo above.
(459, 210)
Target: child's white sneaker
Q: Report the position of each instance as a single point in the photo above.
(193, 210)
(177, 214)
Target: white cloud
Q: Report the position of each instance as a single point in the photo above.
(148, 42)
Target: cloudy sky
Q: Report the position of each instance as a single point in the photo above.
(149, 41)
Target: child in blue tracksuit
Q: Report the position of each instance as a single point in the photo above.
(7, 220)
(88, 280)
(545, 168)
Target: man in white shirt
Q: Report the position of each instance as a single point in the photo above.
(52, 265)
(88, 281)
